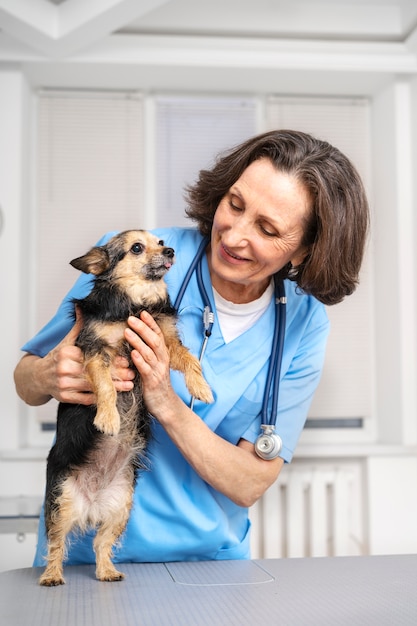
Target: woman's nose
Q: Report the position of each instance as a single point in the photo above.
(239, 231)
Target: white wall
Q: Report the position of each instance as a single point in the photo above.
(21, 471)
(394, 200)
(13, 165)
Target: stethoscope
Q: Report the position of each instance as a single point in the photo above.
(268, 445)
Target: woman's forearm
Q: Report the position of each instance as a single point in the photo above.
(29, 380)
(235, 471)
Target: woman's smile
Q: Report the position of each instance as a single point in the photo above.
(230, 256)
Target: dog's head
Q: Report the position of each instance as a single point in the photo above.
(129, 258)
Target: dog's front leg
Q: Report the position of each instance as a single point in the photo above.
(183, 361)
(107, 418)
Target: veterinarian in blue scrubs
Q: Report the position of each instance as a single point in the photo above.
(281, 204)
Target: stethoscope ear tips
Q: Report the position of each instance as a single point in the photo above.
(269, 444)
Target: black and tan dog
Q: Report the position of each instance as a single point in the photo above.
(92, 467)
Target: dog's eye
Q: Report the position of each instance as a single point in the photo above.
(137, 248)
(161, 242)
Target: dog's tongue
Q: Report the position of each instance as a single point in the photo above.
(168, 265)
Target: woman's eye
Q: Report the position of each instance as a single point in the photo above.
(235, 207)
(137, 248)
(266, 231)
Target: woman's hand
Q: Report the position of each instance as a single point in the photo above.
(150, 357)
(60, 374)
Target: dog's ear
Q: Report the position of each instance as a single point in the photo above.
(94, 262)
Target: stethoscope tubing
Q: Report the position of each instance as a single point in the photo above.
(277, 350)
(196, 261)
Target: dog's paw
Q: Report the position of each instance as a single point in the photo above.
(195, 381)
(109, 574)
(200, 389)
(51, 580)
(106, 423)
(204, 393)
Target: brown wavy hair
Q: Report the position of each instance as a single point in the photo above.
(337, 227)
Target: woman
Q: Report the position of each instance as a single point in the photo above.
(281, 204)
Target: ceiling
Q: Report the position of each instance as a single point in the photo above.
(264, 46)
(62, 28)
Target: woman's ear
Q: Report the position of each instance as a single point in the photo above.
(300, 256)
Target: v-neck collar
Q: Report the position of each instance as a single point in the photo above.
(254, 344)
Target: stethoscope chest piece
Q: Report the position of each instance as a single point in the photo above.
(269, 444)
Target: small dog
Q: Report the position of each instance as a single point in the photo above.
(92, 467)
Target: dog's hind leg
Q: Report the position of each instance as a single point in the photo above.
(108, 533)
(59, 525)
(107, 419)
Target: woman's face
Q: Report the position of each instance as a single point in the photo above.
(257, 229)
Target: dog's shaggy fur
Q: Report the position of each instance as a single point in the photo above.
(92, 467)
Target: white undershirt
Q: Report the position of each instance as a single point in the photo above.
(235, 319)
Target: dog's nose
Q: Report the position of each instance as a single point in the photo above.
(169, 252)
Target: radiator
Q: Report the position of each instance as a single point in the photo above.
(311, 510)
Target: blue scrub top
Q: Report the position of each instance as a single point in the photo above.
(176, 515)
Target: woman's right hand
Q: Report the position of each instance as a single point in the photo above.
(60, 374)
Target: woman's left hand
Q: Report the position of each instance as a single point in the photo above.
(150, 357)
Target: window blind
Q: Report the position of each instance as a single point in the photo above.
(345, 391)
(190, 132)
(90, 181)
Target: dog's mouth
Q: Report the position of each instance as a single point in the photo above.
(157, 268)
